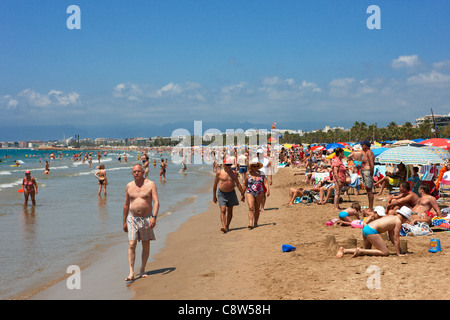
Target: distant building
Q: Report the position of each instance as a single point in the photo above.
(441, 120)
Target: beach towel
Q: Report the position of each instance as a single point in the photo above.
(441, 223)
(320, 176)
(354, 181)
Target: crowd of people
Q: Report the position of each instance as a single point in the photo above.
(328, 175)
(412, 203)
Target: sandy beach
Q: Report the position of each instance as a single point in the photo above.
(199, 262)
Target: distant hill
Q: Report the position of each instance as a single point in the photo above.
(120, 131)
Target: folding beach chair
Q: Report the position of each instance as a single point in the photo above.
(395, 187)
(320, 176)
(444, 186)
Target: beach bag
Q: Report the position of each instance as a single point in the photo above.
(419, 229)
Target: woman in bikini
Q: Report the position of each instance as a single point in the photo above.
(102, 181)
(254, 185)
(29, 188)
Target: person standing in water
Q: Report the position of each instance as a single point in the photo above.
(162, 172)
(102, 181)
(30, 188)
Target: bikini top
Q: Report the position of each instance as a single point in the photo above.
(357, 163)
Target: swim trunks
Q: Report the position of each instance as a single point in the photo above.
(343, 215)
(227, 199)
(368, 231)
(242, 169)
(367, 178)
(138, 228)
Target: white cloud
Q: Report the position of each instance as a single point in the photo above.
(8, 102)
(34, 99)
(61, 99)
(433, 78)
(276, 88)
(129, 91)
(405, 62)
(342, 83)
(442, 65)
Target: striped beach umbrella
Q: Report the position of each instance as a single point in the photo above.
(408, 155)
(440, 152)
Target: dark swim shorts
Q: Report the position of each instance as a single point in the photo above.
(227, 199)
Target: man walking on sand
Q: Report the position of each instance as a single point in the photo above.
(223, 190)
(139, 217)
(367, 166)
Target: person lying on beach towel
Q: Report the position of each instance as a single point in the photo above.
(301, 192)
(344, 215)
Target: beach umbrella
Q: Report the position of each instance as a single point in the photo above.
(347, 152)
(317, 148)
(402, 142)
(345, 144)
(440, 152)
(437, 142)
(333, 146)
(378, 151)
(408, 155)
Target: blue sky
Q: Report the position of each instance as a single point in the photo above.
(146, 62)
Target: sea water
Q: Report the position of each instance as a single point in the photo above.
(71, 224)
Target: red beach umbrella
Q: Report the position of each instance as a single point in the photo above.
(437, 142)
(317, 148)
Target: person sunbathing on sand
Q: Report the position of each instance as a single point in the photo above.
(372, 235)
(344, 215)
(300, 192)
(422, 211)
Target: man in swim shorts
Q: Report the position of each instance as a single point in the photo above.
(372, 235)
(405, 198)
(367, 167)
(422, 211)
(139, 217)
(223, 191)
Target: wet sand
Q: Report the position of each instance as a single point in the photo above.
(199, 262)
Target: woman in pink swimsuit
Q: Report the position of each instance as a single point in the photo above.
(254, 185)
(29, 188)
